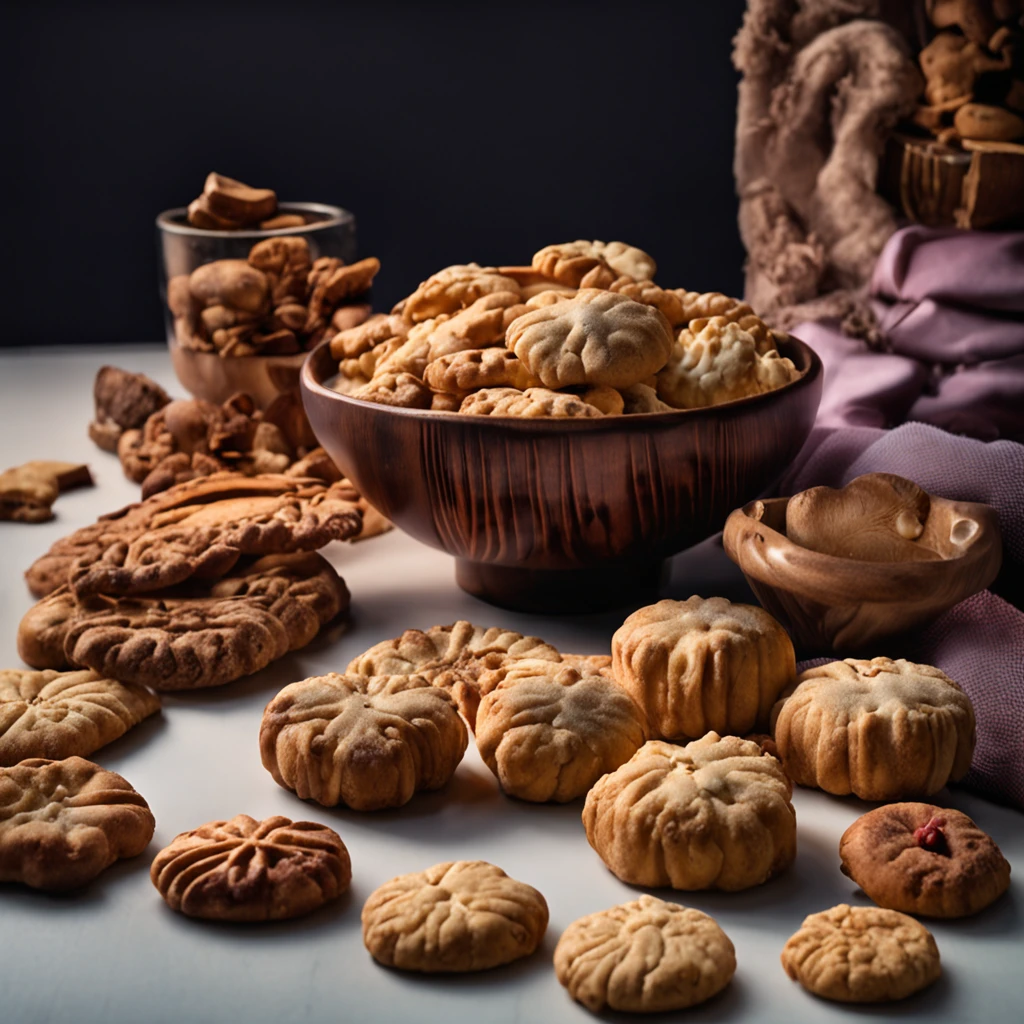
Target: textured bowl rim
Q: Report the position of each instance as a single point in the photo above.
(334, 216)
(526, 424)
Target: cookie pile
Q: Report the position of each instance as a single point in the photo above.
(195, 586)
(230, 205)
(583, 332)
(278, 301)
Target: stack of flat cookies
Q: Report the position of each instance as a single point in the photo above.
(582, 332)
(196, 586)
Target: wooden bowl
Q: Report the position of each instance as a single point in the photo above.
(833, 605)
(563, 515)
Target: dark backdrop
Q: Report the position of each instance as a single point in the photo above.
(455, 132)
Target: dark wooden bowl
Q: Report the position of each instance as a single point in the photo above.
(563, 515)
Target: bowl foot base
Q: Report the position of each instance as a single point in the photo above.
(562, 591)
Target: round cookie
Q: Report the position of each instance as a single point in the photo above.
(880, 729)
(923, 859)
(63, 714)
(596, 337)
(454, 917)
(862, 955)
(715, 814)
(249, 870)
(644, 957)
(368, 742)
(701, 665)
(549, 731)
(63, 822)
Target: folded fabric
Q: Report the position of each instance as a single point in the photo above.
(980, 642)
(950, 308)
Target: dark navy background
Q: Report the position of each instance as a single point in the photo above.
(455, 132)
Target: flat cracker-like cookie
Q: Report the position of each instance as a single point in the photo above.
(470, 370)
(534, 403)
(63, 714)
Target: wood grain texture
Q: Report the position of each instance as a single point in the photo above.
(834, 605)
(543, 496)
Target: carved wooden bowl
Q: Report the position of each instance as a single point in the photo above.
(838, 605)
(563, 515)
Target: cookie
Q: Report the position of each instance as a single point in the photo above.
(119, 529)
(205, 541)
(403, 390)
(608, 400)
(720, 364)
(597, 337)
(862, 955)
(196, 635)
(744, 318)
(452, 918)
(640, 398)
(715, 814)
(469, 370)
(549, 731)
(534, 403)
(698, 305)
(646, 956)
(27, 492)
(63, 822)
(923, 859)
(879, 729)
(374, 331)
(249, 870)
(368, 742)
(63, 714)
(570, 263)
(667, 302)
(123, 401)
(703, 664)
(454, 288)
(479, 325)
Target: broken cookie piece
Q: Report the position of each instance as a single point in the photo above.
(27, 492)
(124, 401)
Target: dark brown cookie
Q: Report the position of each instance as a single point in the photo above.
(195, 635)
(249, 870)
(124, 401)
(923, 859)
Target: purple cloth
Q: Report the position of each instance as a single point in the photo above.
(950, 306)
(980, 642)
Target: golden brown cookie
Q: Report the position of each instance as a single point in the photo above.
(534, 403)
(544, 294)
(703, 664)
(743, 316)
(410, 355)
(549, 731)
(479, 325)
(469, 370)
(27, 492)
(454, 288)
(63, 822)
(465, 915)
(697, 305)
(720, 364)
(862, 955)
(373, 331)
(642, 398)
(62, 714)
(608, 400)
(249, 870)
(644, 957)
(399, 389)
(368, 742)
(715, 814)
(569, 263)
(923, 859)
(597, 337)
(197, 634)
(668, 302)
(880, 729)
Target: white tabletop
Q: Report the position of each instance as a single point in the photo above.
(115, 953)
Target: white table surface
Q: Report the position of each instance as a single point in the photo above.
(115, 953)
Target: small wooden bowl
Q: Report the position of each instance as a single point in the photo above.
(562, 515)
(839, 605)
